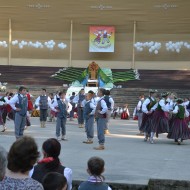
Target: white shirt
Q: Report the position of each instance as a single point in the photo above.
(14, 100)
(92, 106)
(37, 102)
(186, 103)
(55, 104)
(112, 102)
(176, 109)
(145, 103)
(139, 104)
(163, 105)
(170, 104)
(103, 105)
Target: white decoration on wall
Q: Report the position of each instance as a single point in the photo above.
(174, 46)
(153, 47)
(3, 44)
(49, 44)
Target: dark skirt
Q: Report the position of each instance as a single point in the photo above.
(160, 122)
(179, 130)
(146, 123)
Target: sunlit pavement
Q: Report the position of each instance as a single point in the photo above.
(128, 158)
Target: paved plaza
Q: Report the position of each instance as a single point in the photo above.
(128, 158)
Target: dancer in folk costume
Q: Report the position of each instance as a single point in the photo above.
(78, 100)
(139, 111)
(125, 112)
(160, 120)
(44, 102)
(30, 109)
(148, 105)
(179, 130)
(89, 111)
(73, 106)
(4, 110)
(186, 103)
(100, 115)
(19, 104)
(110, 104)
(62, 107)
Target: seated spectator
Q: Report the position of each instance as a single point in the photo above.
(54, 180)
(22, 155)
(125, 114)
(96, 180)
(3, 162)
(50, 163)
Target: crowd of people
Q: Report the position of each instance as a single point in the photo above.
(164, 114)
(21, 169)
(90, 107)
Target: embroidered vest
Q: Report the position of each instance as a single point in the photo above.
(81, 98)
(181, 112)
(151, 104)
(40, 171)
(99, 107)
(87, 109)
(23, 104)
(44, 102)
(106, 98)
(87, 185)
(159, 108)
(62, 108)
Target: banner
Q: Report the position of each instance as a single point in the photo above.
(101, 39)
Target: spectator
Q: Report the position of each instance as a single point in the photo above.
(22, 156)
(50, 163)
(54, 180)
(3, 162)
(96, 180)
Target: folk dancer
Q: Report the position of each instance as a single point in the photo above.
(160, 120)
(43, 101)
(179, 130)
(62, 107)
(100, 115)
(19, 104)
(147, 105)
(110, 104)
(78, 99)
(139, 112)
(89, 111)
(73, 106)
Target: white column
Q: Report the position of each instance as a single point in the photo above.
(71, 41)
(10, 40)
(134, 39)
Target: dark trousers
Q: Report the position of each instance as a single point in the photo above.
(43, 114)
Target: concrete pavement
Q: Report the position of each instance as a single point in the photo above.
(128, 158)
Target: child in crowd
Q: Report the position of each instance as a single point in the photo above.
(54, 180)
(89, 111)
(96, 180)
(50, 163)
(125, 114)
(62, 107)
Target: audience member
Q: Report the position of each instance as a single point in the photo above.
(3, 162)
(50, 163)
(54, 181)
(96, 180)
(22, 155)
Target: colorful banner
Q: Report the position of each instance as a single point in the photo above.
(101, 39)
